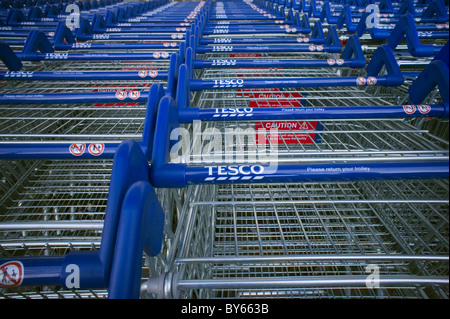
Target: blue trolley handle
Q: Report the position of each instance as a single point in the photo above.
(165, 174)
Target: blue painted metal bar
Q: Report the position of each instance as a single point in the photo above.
(83, 75)
(234, 174)
(316, 113)
(164, 174)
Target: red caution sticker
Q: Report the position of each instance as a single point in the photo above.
(143, 73)
(424, 108)
(77, 149)
(121, 95)
(371, 80)
(153, 73)
(361, 81)
(11, 274)
(96, 149)
(134, 95)
(409, 109)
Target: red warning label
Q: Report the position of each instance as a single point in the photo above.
(289, 132)
(77, 149)
(134, 95)
(361, 81)
(424, 108)
(121, 95)
(409, 109)
(11, 274)
(96, 149)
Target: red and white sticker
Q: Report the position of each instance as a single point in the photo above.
(331, 61)
(319, 47)
(134, 95)
(361, 81)
(306, 40)
(142, 73)
(312, 47)
(165, 55)
(77, 149)
(96, 149)
(153, 73)
(121, 95)
(156, 55)
(339, 61)
(11, 274)
(424, 108)
(371, 80)
(409, 109)
(173, 36)
(166, 44)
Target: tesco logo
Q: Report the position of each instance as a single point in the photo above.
(236, 170)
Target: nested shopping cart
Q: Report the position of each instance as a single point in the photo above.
(294, 174)
(356, 206)
(61, 128)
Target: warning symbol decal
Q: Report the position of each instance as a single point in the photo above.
(121, 95)
(143, 73)
(77, 149)
(424, 108)
(340, 61)
(361, 80)
(96, 149)
(409, 109)
(134, 95)
(11, 274)
(331, 61)
(371, 80)
(153, 73)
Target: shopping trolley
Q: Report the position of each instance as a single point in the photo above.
(246, 234)
(72, 186)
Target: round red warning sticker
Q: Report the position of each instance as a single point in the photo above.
(143, 73)
(312, 47)
(96, 149)
(134, 95)
(77, 149)
(153, 73)
(156, 55)
(121, 95)
(409, 109)
(340, 61)
(361, 81)
(424, 108)
(331, 61)
(11, 274)
(371, 80)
